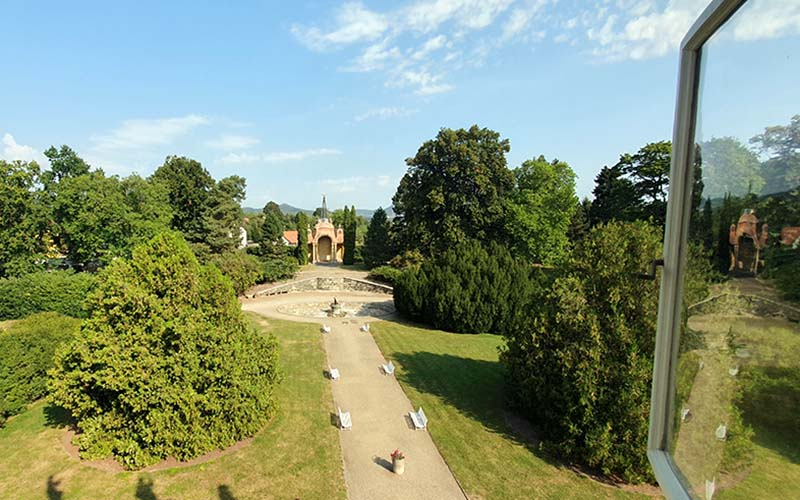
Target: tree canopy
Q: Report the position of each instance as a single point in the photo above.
(540, 209)
(377, 242)
(166, 364)
(453, 190)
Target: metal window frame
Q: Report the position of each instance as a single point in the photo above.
(665, 364)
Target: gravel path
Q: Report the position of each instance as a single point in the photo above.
(378, 406)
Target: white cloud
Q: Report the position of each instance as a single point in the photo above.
(354, 24)
(277, 157)
(767, 19)
(374, 57)
(520, 18)
(432, 45)
(384, 113)
(474, 14)
(13, 151)
(233, 142)
(425, 82)
(142, 134)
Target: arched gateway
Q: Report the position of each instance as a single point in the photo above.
(325, 242)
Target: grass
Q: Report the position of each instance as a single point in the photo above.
(459, 381)
(296, 456)
(769, 379)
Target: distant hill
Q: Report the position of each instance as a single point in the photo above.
(291, 210)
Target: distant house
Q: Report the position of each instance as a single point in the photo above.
(290, 238)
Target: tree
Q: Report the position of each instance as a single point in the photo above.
(349, 235)
(540, 208)
(22, 217)
(730, 168)
(223, 216)
(64, 163)
(581, 368)
(649, 171)
(166, 364)
(189, 186)
(377, 243)
(454, 190)
(301, 252)
(148, 207)
(782, 142)
(579, 225)
(614, 197)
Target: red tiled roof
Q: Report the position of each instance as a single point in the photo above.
(291, 237)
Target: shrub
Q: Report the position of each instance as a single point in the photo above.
(385, 274)
(785, 268)
(278, 268)
(582, 367)
(26, 353)
(165, 365)
(58, 291)
(469, 289)
(242, 269)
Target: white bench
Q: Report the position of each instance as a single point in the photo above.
(685, 412)
(333, 373)
(419, 418)
(722, 432)
(365, 327)
(344, 420)
(388, 369)
(326, 329)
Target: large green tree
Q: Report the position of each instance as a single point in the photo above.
(781, 171)
(581, 368)
(730, 168)
(614, 197)
(22, 217)
(648, 168)
(540, 208)
(223, 216)
(349, 236)
(189, 186)
(454, 190)
(301, 252)
(64, 163)
(166, 364)
(377, 242)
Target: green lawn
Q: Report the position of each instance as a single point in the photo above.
(459, 382)
(767, 352)
(296, 456)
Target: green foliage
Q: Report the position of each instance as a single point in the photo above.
(64, 163)
(730, 168)
(782, 143)
(242, 269)
(581, 367)
(278, 267)
(349, 236)
(301, 252)
(453, 191)
(22, 220)
(58, 291)
(468, 289)
(223, 215)
(165, 365)
(385, 274)
(377, 242)
(189, 186)
(579, 224)
(649, 171)
(784, 266)
(26, 353)
(540, 210)
(614, 197)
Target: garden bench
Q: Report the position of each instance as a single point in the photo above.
(333, 373)
(344, 420)
(388, 369)
(326, 329)
(419, 418)
(365, 327)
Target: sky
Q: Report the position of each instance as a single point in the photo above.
(306, 98)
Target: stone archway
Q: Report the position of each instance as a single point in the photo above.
(325, 249)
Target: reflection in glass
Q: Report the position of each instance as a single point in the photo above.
(737, 412)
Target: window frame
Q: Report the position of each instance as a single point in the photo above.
(662, 401)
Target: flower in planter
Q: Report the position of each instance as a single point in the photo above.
(398, 455)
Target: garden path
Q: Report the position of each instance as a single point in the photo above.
(377, 404)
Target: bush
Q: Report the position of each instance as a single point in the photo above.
(26, 353)
(385, 274)
(166, 364)
(242, 269)
(278, 268)
(57, 291)
(469, 289)
(582, 368)
(784, 265)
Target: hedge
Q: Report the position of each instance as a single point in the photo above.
(57, 291)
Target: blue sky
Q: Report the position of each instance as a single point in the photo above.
(331, 97)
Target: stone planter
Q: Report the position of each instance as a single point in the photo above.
(398, 466)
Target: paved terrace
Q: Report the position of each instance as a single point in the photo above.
(378, 406)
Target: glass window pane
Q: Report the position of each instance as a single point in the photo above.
(737, 415)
